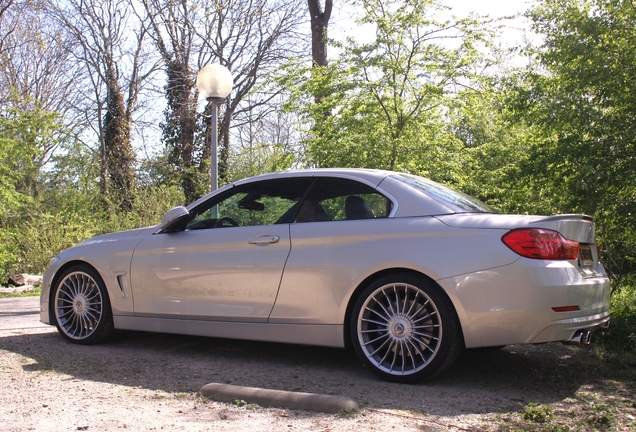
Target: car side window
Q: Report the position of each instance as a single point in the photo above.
(258, 203)
(336, 199)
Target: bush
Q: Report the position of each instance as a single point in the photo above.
(7, 255)
(39, 239)
(537, 413)
(622, 336)
(28, 243)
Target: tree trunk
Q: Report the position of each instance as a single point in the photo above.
(224, 141)
(319, 21)
(180, 126)
(120, 156)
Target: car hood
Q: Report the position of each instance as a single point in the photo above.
(121, 235)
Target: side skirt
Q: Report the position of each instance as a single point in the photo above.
(319, 335)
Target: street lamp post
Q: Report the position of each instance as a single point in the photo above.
(214, 83)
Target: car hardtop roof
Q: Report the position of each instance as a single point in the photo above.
(370, 175)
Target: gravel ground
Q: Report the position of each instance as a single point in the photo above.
(145, 381)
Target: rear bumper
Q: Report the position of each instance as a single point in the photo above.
(584, 337)
(566, 330)
(513, 304)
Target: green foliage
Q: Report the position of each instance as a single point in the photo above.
(184, 133)
(26, 138)
(537, 413)
(8, 254)
(493, 146)
(119, 156)
(622, 336)
(68, 210)
(248, 406)
(579, 102)
(29, 243)
(40, 238)
(601, 416)
(384, 104)
(260, 159)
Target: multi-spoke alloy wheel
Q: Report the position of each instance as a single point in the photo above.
(400, 329)
(82, 311)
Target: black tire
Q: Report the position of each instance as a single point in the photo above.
(81, 307)
(404, 329)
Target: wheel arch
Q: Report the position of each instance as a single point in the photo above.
(373, 277)
(56, 278)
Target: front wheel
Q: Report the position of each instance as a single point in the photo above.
(404, 329)
(81, 306)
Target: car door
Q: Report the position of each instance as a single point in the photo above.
(335, 239)
(228, 262)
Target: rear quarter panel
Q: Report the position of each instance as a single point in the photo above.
(329, 260)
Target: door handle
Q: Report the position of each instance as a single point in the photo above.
(264, 239)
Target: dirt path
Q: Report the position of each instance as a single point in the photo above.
(145, 381)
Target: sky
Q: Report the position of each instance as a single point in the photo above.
(341, 23)
(494, 8)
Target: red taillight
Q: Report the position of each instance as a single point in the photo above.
(541, 244)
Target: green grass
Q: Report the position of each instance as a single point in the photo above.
(35, 293)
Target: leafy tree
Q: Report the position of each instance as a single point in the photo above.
(108, 40)
(250, 38)
(493, 145)
(580, 100)
(265, 143)
(390, 98)
(174, 33)
(13, 153)
(27, 140)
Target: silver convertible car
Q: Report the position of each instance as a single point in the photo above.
(404, 270)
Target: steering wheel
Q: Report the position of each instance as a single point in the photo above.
(225, 221)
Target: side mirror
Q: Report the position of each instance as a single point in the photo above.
(174, 219)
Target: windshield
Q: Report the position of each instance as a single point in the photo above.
(463, 202)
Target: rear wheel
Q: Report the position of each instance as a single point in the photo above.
(81, 306)
(404, 329)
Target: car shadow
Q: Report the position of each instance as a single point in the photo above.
(478, 382)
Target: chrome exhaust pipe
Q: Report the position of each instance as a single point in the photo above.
(581, 337)
(586, 338)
